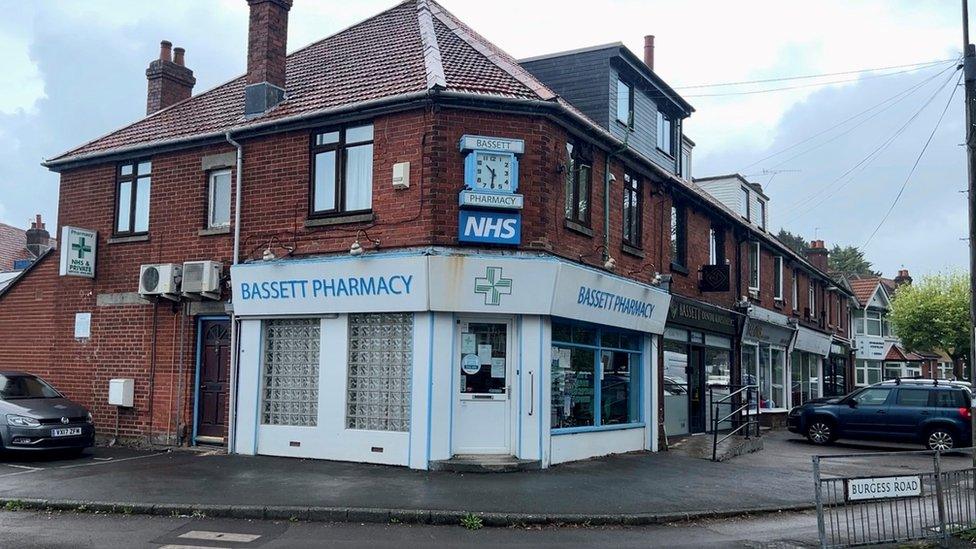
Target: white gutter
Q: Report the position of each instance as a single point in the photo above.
(232, 424)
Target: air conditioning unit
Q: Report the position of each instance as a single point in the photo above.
(162, 279)
(202, 279)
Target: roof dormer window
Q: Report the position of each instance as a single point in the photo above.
(744, 202)
(625, 103)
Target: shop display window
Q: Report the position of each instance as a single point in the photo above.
(595, 376)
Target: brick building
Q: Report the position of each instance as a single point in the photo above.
(20, 248)
(400, 245)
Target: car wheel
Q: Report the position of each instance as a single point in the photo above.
(820, 431)
(940, 439)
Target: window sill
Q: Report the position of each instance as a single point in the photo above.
(624, 125)
(665, 153)
(632, 250)
(340, 220)
(125, 239)
(578, 228)
(680, 269)
(214, 231)
(577, 430)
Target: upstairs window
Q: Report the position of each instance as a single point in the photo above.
(858, 319)
(812, 300)
(625, 103)
(665, 133)
(796, 292)
(778, 277)
(744, 202)
(577, 185)
(716, 246)
(218, 212)
(633, 205)
(134, 182)
(342, 171)
(754, 266)
(761, 214)
(679, 237)
(686, 164)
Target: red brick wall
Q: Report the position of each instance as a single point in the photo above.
(275, 211)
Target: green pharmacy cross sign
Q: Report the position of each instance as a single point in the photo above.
(493, 286)
(78, 252)
(81, 248)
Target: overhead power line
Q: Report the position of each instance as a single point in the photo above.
(810, 85)
(914, 166)
(895, 98)
(828, 191)
(808, 76)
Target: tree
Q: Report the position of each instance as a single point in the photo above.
(933, 315)
(849, 260)
(794, 241)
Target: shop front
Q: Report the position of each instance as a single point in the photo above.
(836, 374)
(766, 342)
(807, 365)
(415, 358)
(698, 351)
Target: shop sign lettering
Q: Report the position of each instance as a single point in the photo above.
(78, 252)
(327, 287)
(617, 303)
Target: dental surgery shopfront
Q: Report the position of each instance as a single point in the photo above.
(414, 357)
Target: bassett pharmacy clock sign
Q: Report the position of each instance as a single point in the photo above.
(491, 179)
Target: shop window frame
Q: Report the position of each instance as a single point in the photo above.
(598, 348)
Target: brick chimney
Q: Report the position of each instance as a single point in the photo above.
(267, 37)
(903, 278)
(38, 239)
(817, 254)
(649, 51)
(169, 80)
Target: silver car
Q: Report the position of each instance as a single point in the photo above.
(35, 416)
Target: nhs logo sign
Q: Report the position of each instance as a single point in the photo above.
(490, 227)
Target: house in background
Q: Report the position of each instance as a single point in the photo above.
(879, 353)
(19, 249)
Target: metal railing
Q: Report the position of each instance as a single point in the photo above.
(941, 501)
(740, 420)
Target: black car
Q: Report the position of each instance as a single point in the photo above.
(934, 413)
(35, 416)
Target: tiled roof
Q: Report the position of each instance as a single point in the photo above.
(864, 289)
(411, 48)
(13, 246)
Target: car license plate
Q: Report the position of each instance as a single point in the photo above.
(66, 432)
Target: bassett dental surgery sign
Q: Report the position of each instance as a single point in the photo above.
(365, 284)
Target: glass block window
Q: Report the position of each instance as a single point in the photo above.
(291, 372)
(380, 355)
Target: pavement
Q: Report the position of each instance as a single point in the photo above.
(36, 530)
(639, 488)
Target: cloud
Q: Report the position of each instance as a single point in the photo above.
(75, 70)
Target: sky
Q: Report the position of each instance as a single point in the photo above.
(72, 71)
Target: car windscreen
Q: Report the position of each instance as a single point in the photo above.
(14, 387)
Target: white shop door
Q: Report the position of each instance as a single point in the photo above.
(483, 370)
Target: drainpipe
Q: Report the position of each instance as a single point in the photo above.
(232, 423)
(606, 207)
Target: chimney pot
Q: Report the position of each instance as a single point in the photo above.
(38, 239)
(169, 82)
(817, 254)
(165, 50)
(649, 51)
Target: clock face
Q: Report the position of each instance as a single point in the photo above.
(493, 172)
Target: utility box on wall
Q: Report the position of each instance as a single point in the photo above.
(121, 392)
